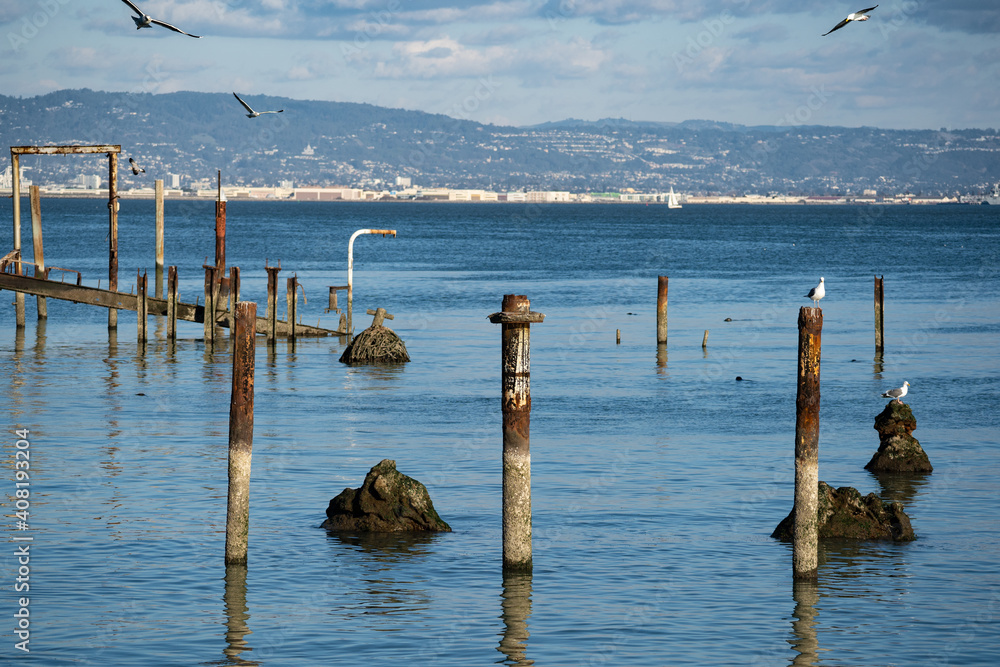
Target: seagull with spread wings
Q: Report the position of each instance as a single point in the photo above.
(144, 20)
(856, 16)
(250, 112)
(136, 169)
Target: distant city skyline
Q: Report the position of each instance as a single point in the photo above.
(915, 64)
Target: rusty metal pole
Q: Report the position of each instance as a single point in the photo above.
(879, 316)
(15, 161)
(515, 401)
(293, 302)
(272, 302)
(113, 235)
(241, 434)
(142, 310)
(350, 273)
(805, 542)
(661, 311)
(172, 303)
(159, 238)
(36, 245)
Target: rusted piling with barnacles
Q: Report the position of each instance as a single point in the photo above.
(158, 266)
(515, 319)
(113, 234)
(805, 544)
(210, 293)
(241, 434)
(292, 304)
(142, 310)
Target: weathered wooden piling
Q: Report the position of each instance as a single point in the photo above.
(220, 230)
(879, 316)
(172, 303)
(805, 543)
(292, 299)
(515, 401)
(272, 301)
(142, 311)
(241, 434)
(36, 245)
(158, 266)
(661, 311)
(113, 234)
(618, 336)
(209, 303)
(15, 161)
(704, 340)
(234, 295)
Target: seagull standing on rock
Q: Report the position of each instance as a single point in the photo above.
(144, 20)
(897, 393)
(817, 293)
(856, 16)
(250, 112)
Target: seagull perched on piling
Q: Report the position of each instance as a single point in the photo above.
(897, 393)
(856, 16)
(250, 112)
(817, 293)
(144, 20)
(136, 169)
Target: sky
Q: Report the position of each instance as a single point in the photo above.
(916, 64)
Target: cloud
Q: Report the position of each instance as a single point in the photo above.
(764, 33)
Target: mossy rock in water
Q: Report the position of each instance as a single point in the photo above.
(387, 502)
(377, 344)
(898, 450)
(845, 514)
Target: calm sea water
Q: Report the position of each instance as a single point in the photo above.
(657, 479)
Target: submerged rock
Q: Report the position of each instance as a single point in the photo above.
(387, 502)
(898, 450)
(844, 513)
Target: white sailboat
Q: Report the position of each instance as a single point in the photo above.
(672, 199)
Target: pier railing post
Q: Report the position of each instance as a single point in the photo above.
(172, 303)
(515, 319)
(805, 543)
(661, 311)
(241, 434)
(36, 245)
(879, 316)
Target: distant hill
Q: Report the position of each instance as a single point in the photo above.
(322, 143)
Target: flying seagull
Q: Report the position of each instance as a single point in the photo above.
(856, 16)
(897, 393)
(250, 112)
(817, 293)
(147, 21)
(136, 169)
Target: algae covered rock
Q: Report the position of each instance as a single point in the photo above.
(898, 450)
(845, 514)
(387, 502)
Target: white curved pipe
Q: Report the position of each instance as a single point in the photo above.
(350, 272)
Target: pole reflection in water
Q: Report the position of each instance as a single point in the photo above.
(237, 614)
(878, 366)
(806, 595)
(515, 608)
(661, 359)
